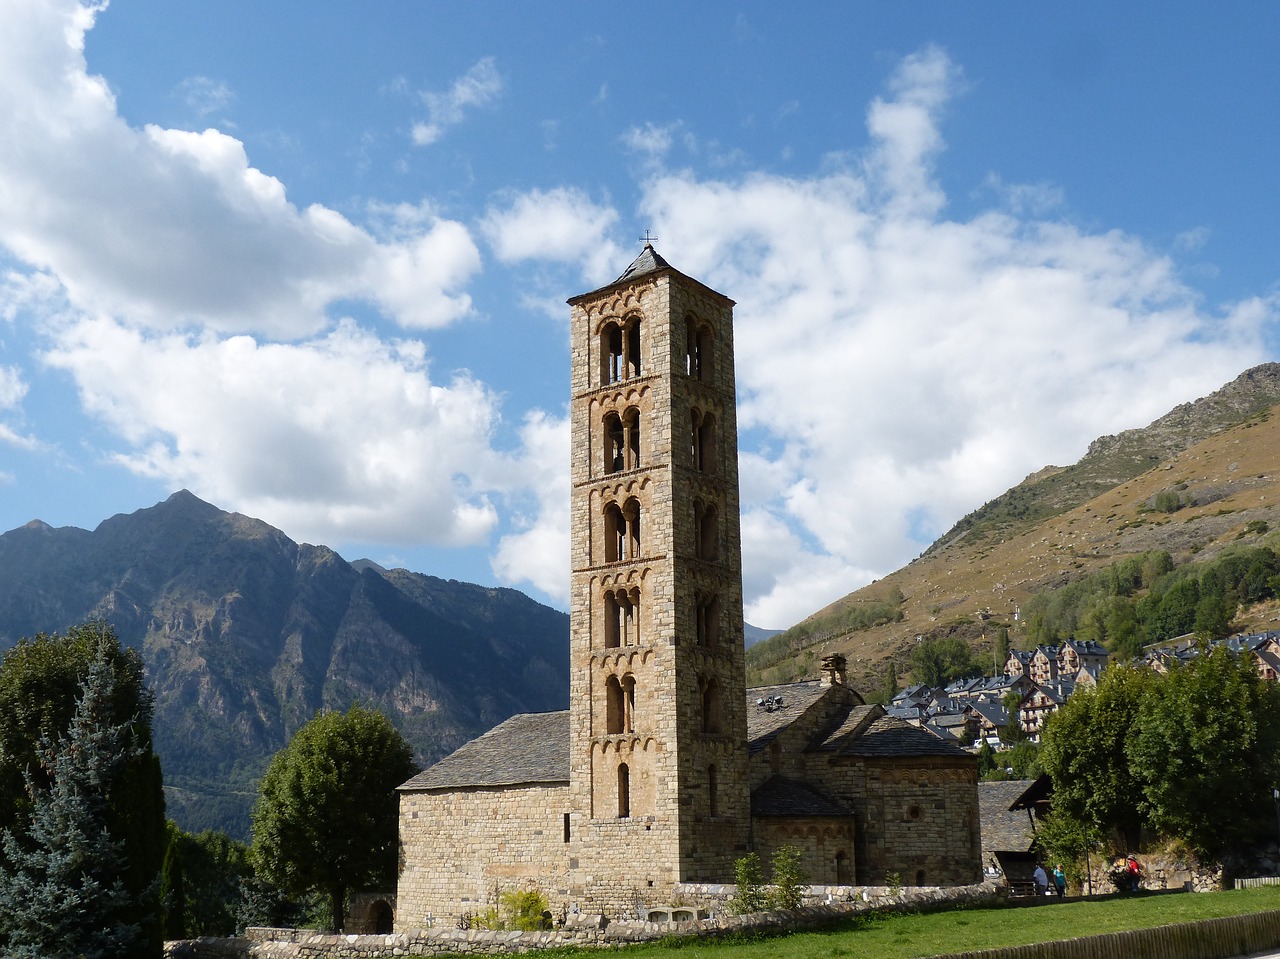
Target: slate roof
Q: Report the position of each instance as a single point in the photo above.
(1003, 829)
(763, 725)
(888, 737)
(647, 262)
(528, 748)
(778, 796)
(857, 719)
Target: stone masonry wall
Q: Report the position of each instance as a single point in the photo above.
(459, 847)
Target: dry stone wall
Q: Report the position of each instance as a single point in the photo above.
(1207, 939)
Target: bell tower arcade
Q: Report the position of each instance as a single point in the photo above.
(658, 762)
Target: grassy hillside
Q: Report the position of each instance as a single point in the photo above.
(978, 576)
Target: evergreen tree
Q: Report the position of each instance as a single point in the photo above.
(41, 681)
(62, 882)
(173, 887)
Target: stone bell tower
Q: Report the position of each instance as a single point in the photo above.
(658, 762)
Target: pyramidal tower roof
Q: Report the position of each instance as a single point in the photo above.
(647, 262)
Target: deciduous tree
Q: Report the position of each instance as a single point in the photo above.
(1084, 749)
(327, 815)
(936, 662)
(1207, 750)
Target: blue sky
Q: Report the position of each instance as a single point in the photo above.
(310, 261)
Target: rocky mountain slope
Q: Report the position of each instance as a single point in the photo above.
(246, 634)
(1218, 459)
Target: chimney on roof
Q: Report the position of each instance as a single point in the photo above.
(834, 668)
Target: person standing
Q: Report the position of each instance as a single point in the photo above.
(1059, 881)
(1041, 879)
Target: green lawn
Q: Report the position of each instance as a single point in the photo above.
(911, 936)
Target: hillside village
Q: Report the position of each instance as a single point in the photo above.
(977, 710)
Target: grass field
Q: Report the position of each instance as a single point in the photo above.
(909, 936)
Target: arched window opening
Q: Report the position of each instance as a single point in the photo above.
(631, 515)
(611, 353)
(712, 791)
(628, 704)
(708, 621)
(624, 791)
(704, 442)
(633, 618)
(631, 428)
(615, 709)
(612, 622)
(711, 707)
(919, 877)
(708, 518)
(615, 534)
(614, 444)
(843, 875)
(633, 347)
(692, 352)
(775, 756)
(622, 531)
(698, 347)
(706, 353)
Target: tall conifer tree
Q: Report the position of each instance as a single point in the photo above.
(61, 880)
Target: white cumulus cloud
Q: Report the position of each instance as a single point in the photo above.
(174, 228)
(344, 437)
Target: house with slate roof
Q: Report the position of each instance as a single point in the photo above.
(665, 769)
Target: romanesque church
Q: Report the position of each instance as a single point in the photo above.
(665, 769)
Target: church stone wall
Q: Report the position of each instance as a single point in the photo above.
(820, 839)
(460, 847)
(925, 812)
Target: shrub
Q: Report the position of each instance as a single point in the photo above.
(525, 909)
(750, 896)
(789, 879)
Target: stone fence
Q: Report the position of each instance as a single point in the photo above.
(1206, 939)
(582, 930)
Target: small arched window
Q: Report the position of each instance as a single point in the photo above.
(703, 441)
(631, 514)
(699, 344)
(628, 703)
(631, 432)
(620, 350)
(612, 622)
(775, 756)
(614, 444)
(708, 621)
(615, 534)
(708, 522)
(615, 707)
(622, 618)
(711, 706)
(633, 618)
(624, 791)
(633, 347)
(844, 877)
(611, 353)
(621, 441)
